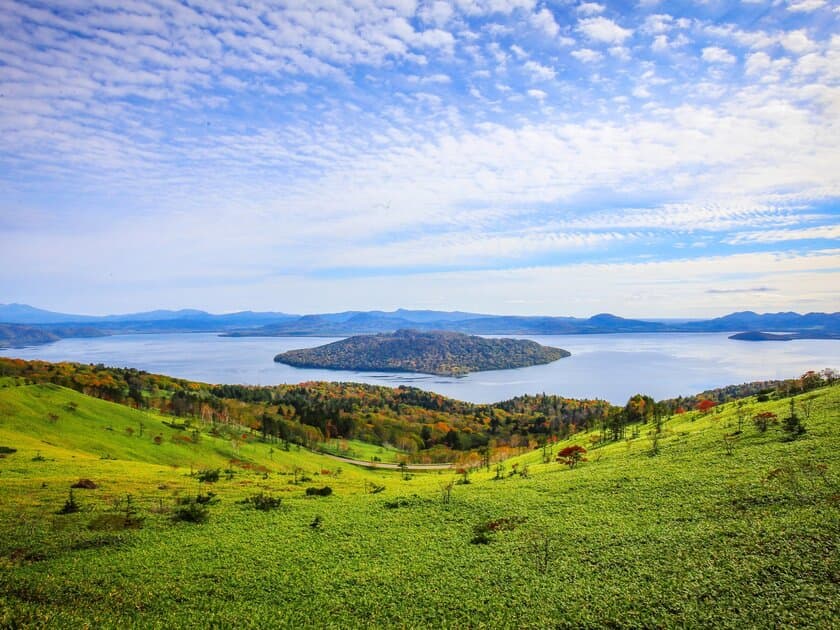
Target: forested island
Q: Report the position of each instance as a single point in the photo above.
(434, 352)
(757, 335)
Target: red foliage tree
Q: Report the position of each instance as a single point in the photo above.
(705, 405)
(571, 455)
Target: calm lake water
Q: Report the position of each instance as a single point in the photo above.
(612, 367)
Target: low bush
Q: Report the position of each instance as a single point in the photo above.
(85, 484)
(192, 510)
(262, 501)
(483, 531)
(319, 492)
(70, 505)
(208, 475)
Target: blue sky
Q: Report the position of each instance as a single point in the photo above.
(649, 158)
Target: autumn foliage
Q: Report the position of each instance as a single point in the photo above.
(571, 455)
(705, 405)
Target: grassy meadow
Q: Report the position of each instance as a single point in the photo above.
(713, 531)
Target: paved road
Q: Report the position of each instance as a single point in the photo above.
(388, 466)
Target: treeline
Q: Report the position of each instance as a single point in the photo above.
(427, 426)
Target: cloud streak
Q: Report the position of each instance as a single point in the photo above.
(224, 144)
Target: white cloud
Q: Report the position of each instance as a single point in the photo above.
(831, 232)
(662, 43)
(620, 52)
(805, 6)
(658, 23)
(821, 66)
(762, 65)
(544, 20)
(294, 141)
(797, 41)
(518, 51)
(590, 8)
(437, 13)
(587, 55)
(538, 71)
(716, 54)
(601, 29)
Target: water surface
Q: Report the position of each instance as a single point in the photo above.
(612, 367)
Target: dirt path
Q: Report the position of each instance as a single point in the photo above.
(389, 466)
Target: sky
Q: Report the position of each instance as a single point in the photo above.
(649, 158)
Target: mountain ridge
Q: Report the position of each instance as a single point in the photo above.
(348, 323)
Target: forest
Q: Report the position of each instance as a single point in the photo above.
(436, 352)
(425, 426)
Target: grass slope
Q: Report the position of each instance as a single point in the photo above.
(693, 537)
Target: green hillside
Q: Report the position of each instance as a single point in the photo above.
(719, 529)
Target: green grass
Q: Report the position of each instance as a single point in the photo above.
(356, 449)
(692, 537)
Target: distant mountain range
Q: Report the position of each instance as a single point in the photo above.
(24, 325)
(188, 318)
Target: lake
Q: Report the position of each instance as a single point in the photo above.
(612, 367)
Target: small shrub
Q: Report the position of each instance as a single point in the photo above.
(317, 522)
(192, 510)
(483, 531)
(465, 476)
(764, 419)
(401, 502)
(98, 541)
(158, 439)
(206, 499)
(39, 458)
(500, 471)
(70, 505)
(729, 441)
(208, 475)
(541, 547)
(792, 425)
(125, 517)
(446, 493)
(85, 484)
(480, 538)
(7, 450)
(319, 492)
(263, 502)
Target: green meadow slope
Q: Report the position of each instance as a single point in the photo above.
(713, 531)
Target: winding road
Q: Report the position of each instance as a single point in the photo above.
(389, 466)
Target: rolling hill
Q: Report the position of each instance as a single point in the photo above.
(714, 523)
